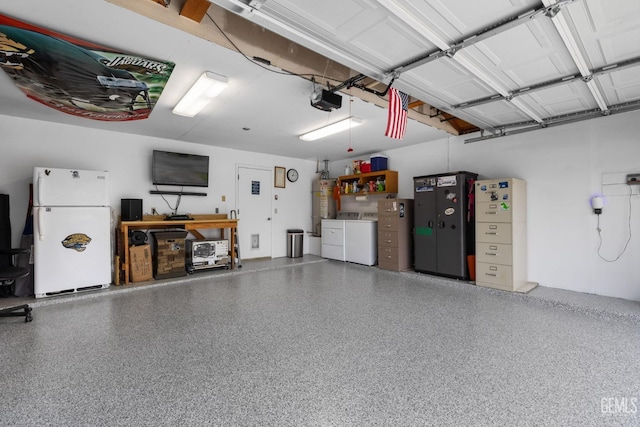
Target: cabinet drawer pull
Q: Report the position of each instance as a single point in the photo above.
(492, 233)
(388, 241)
(492, 275)
(493, 227)
(491, 213)
(493, 248)
(489, 253)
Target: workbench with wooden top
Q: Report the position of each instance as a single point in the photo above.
(199, 222)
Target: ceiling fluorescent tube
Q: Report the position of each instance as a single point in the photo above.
(342, 125)
(208, 86)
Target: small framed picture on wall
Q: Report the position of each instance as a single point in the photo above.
(279, 178)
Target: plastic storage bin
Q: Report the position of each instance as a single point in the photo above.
(294, 243)
(378, 163)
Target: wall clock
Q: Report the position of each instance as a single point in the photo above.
(292, 175)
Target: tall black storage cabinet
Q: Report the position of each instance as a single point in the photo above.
(444, 223)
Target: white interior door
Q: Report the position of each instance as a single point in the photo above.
(254, 211)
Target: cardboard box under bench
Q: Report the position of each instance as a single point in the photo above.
(169, 254)
(141, 266)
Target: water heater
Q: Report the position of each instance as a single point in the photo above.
(324, 206)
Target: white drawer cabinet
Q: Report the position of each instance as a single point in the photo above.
(494, 232)
(494, 253)
(501, 235)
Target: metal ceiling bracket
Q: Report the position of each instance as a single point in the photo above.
(438, 112)
(381, 94)
(554, 9)
(256, 4)
(349, 82)
(450, 52)
(352, 82)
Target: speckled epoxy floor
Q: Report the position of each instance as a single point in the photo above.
(318, 344)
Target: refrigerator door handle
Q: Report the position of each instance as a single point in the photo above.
(40, 224)
(39, 184)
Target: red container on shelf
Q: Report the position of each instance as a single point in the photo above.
(365, 167)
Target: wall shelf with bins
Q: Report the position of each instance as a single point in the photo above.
(363, 180)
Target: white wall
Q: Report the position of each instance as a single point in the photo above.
(563, 167)
(29, 143)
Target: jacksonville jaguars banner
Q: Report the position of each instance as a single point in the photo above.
(79, 77)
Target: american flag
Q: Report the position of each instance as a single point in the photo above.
(397, 119)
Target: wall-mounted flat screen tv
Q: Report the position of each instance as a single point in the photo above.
(188, 170)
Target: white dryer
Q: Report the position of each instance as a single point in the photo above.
(361, 239)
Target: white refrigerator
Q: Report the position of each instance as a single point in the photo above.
(72, 231)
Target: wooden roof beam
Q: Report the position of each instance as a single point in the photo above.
(195, 9)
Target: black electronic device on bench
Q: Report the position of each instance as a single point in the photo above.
(178, 218)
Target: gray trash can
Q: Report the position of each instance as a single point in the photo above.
(294, 243)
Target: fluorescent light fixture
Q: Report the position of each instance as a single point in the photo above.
(342, 125)
(208, 86)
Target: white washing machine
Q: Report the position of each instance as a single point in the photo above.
(361, 239)
(333, 236)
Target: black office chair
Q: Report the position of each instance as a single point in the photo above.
(9, 272)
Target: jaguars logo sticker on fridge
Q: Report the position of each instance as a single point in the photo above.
(76, 241)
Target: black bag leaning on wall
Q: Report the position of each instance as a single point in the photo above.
(5, 240)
